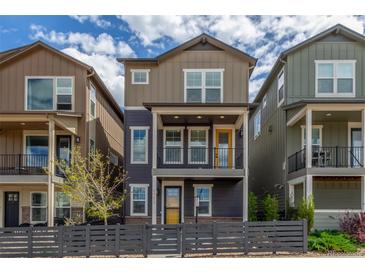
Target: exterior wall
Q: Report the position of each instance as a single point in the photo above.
(167, 79)
(11, 142)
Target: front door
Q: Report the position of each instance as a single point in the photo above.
(11, 209)
(172, 204)
(63, 149)
(223, 148)
(356, 145)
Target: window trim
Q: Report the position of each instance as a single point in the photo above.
(141, 70)
(254, 124)
(335, 92)
(145, 186)
(203, 86)
(146, 128)
(282, 72)
(55, 208)
(181, 129)
(91, 99)
(320, 127)
(209, 186)
(31, 207)
(54, 79)
(206, 129)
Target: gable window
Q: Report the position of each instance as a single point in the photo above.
(203, 200)
(198, 145)
(335, 78)
(49, 93)
(203, 85)
(62, 206)
(173, 144)
(264, 101)
(139, 198)
(38, 204)
(140, 76)
(257, 124)
(92, 101)
(139, 147)
(281, 87)
(316, 136)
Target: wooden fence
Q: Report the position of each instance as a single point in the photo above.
(181, 239)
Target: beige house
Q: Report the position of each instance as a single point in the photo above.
(49, 103)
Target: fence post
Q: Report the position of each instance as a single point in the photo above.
(214, 227)
(30, 242)
(305, 236)
(117, 240)
(60, 241)
(87, 243)
(183, 228)
(245, 233)
(145, 240)
(275, 237)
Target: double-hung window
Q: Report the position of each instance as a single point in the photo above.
(92, 102)
(335, 78)
(198, 145)
(139, 145)
(38, 204)
(203, 200)
(62, 205)
(203, 85)
(139, 199)
(140, 76)
(49, 93)
(281, 87)
(257, 124)
(316, 137)
(173, 146)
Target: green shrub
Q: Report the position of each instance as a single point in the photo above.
(326, 241)
(252, 207)
(306, 211)
(271, 208)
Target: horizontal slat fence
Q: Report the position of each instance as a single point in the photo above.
(182, 239)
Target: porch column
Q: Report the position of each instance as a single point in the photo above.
(245, 166)
(308, 126)
(363, 193)
(154, 165)
(291, 195)
(51, 169)
(363, 136)
(308, 186)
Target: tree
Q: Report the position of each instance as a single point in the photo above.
(271, 208)
(93, 181)
(252, 207)
(306, 211)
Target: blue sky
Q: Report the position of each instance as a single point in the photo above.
(98, 40)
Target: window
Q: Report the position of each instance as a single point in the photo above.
(335, 78)
(113, 158)
(62, 205)
(203, 195)
(91, 146)
(49, 93)
(38, 212)
(257, 124)
(139, 147)
(173, 148)
(203, 86)
(139, 194)
(264, 101)
(140, 76)
(316, 136)
(198, 146)
(281, 87)
(93, 102)
(36, 149)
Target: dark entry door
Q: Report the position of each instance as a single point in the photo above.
(356, 147)
(11, 209)
(172, 204)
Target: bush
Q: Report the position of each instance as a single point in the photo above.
(252, 207)
(306, 211)
(326, 241)
(354, 225)
(271, 208)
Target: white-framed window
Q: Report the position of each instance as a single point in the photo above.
(139, 199)
(203, 85)
(38, 207)
(281, 87)
(139, 145)
(257, 124)
(92, 101)
(49, 93)
(316, 136)
(140, 76)
(264, 101)
(173, 145)
(335, 78)
(113, 158)
(62, 205)
(203, 196)
(198, 145)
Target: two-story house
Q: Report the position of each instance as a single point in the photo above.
(49, 103)
(307, 132)
(186, 120)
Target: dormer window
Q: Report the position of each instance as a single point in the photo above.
(140, 76)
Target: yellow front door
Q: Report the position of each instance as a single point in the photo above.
(172, 204)
(223, 148)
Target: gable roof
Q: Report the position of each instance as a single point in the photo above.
(202, 38)
(337, 29)
(11, 54)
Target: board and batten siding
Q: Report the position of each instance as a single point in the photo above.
(11, 142)
(166, 81)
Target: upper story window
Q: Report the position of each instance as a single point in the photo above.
(316, 136)
(173, 144)
(139, 145)
(49, 93)
(264, 101)
(281, 87)
(140, 76)
(92, 101)
(335, 78)
(203, 85)
(198, 145)
(257, 124)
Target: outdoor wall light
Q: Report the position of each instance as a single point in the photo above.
(328, 114)
(199, 117)
(176, 117)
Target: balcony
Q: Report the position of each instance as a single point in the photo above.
(23, 164)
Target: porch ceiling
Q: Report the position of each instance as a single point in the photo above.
(25, 126)
(193, 119)
(334, 116)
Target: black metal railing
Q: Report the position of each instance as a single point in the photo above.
(337, 156)
(23, 164)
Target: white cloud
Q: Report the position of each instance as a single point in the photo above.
(95, 19)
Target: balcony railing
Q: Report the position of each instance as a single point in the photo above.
(348, 157)
(23, 164)
(201, 157)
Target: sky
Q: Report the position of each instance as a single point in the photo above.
(99, 40)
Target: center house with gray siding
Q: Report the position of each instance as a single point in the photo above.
(317, 85)
(186, 119)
